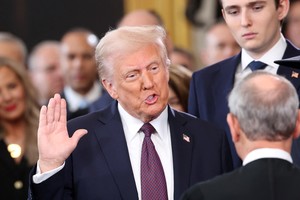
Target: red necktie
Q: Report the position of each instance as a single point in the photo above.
(153, 181)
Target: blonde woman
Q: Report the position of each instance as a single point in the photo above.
(19, 111)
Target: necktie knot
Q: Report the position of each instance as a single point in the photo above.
(256, 65)
(148, 129)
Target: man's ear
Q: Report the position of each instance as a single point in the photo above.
(234, 127)
(296, 132)
(223, 14)
(283, 9)
(110, 88)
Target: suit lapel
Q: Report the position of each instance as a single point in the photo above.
(113, 145)
(182, 146)
(222, 85)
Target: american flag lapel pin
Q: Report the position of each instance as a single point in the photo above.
(295, 75)
(186, 138)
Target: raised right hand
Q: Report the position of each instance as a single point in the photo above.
(54, 143)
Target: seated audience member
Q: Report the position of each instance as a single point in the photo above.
(82, 87)
(291, 26)
(138, 147)
(19, 112)
(13, 48)
(179, 84)
(263, 120)
(180, 56)
(45, 70)
(218, 44)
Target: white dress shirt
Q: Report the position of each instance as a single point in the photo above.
(161, 140)
(267, 153)
(75, 99)
(275, 53)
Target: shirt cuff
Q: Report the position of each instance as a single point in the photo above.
(40, 177)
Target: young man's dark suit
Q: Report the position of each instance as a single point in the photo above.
(210, 87)
(100, 168)
(263, 179)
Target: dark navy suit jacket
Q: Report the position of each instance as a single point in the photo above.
(210, 87)
(100, 168)
(262, 179)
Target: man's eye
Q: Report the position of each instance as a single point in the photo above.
(232, 12)
(257, 8)
(131, 76)
(154, 68)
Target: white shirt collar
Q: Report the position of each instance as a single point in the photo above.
(275, 53)
(267, 153)
(135, 124)
(74, 99)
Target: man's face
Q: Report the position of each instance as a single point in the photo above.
(220, 44)
(255, 24)
(293, 25)
(78, 62)
(46, 74)
(140, 83)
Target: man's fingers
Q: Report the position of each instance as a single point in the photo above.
(43, 117)
(77, 135)
(50, 110)
(63, 111)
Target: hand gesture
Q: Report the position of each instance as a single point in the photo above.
(54, 143)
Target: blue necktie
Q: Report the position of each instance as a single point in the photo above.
(256, 65)
(153, 181)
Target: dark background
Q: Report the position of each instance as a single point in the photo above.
(37, 20)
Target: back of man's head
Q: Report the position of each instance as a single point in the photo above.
(266, 106)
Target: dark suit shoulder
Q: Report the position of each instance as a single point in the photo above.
(267, 177)
(193, 121)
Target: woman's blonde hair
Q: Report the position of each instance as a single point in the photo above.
(31, 115)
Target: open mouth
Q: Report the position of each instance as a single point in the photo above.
(151, 99)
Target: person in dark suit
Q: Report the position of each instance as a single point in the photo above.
(256, 27)
(106, 163)
(263, 119)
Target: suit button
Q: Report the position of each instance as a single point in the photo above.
(18, 184)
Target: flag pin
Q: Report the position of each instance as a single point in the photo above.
(186, 138)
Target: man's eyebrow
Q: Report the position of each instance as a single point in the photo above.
(231, 7)
(250, 4)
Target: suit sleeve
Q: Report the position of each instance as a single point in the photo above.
(57, 187)
(193, 193)
(50, 189)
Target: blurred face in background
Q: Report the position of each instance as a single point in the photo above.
(78, 62)
(219, 45)
(46, 72)
(293, 24)
(12, 95)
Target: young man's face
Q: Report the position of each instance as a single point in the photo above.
(255, 24)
